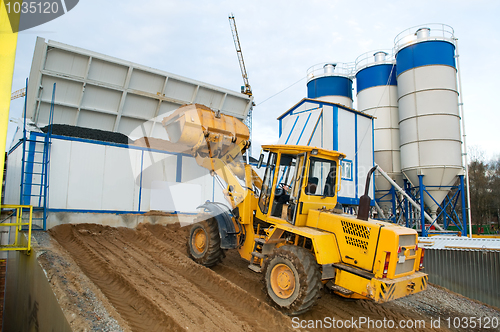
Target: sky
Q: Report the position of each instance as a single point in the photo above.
(280, 40)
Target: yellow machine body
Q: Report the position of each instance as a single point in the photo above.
(295, 204)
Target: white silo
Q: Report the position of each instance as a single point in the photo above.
(330, 82)
(377, 95)
(429, 120)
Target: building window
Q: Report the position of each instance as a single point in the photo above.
(347, 170)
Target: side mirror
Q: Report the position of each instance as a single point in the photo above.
(261, 159)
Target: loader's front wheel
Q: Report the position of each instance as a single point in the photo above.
(292, 279)
(204, 243)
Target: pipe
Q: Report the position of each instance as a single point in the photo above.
(464, 136)
(364, 201)
(379, 210)
(401, 191)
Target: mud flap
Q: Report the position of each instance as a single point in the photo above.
(223, 216)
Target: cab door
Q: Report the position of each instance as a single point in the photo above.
(318, 189)
(267, 184)
(296, 184)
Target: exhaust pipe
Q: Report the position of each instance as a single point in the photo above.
(364, 201)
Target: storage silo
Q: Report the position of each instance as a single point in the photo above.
(330, 82)
(429, 120)
(377, 95)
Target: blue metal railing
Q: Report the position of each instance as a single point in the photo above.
(36, 166)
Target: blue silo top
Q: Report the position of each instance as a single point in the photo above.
(426, 53)
(329, 86)
(377, 75)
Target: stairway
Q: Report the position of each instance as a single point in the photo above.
(35, 166)
(34, 176)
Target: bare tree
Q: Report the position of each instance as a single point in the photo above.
(484, 179)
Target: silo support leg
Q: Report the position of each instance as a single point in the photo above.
(422, 208)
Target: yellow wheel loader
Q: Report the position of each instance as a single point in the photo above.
(286, 225)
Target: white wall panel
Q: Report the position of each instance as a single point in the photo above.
(346, 137)
(365, 153)
(209, 98)
(140, 106)
(135, 159)
(165, 109)
(64, 62)
(308, 128)
(234, 105)
(134, 128)
(102, 99)
(177, 89)
(328, 127)
(13, 177)
(96, 120)
(60, 166)
(118, 185)
(158, 167)
(107, 72)
(86, 176)
(67, 91)
(147, 82)
(158, 131)
(194, 174)
(171, 196)
(317, 138)
(62, 114)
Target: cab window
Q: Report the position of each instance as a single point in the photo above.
(267, 184)
(321, 178)
(283, 186)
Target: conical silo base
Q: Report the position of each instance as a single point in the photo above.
(437, 182)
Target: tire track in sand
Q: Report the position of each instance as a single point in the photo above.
(183, 302)
(242, 304)
(155, 286)
(130, 304)
(234, 268)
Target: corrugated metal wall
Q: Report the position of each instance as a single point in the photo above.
(472, 273)
(101, 92)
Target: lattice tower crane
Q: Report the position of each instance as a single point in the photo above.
(18, 94)
(246, 89)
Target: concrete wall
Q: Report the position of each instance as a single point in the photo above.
(116, 220)
(30, 303)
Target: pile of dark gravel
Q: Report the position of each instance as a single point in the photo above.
(87, 133)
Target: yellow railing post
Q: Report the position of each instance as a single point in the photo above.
(29, 229)
(18, 227)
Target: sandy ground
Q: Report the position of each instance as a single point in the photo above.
(119, 279)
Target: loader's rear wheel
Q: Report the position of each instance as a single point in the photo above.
(204, 243)
(292, 279)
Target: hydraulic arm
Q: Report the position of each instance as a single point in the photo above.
(217, 141)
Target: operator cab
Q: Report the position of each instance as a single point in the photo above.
(298, 178)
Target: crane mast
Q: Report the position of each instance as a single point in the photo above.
(246, 89)
(18, 94)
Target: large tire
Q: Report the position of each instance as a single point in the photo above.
(204, 243)
(292, 279)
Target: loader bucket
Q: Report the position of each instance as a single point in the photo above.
(190, 123)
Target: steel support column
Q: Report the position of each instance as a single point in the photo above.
(422, 207)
